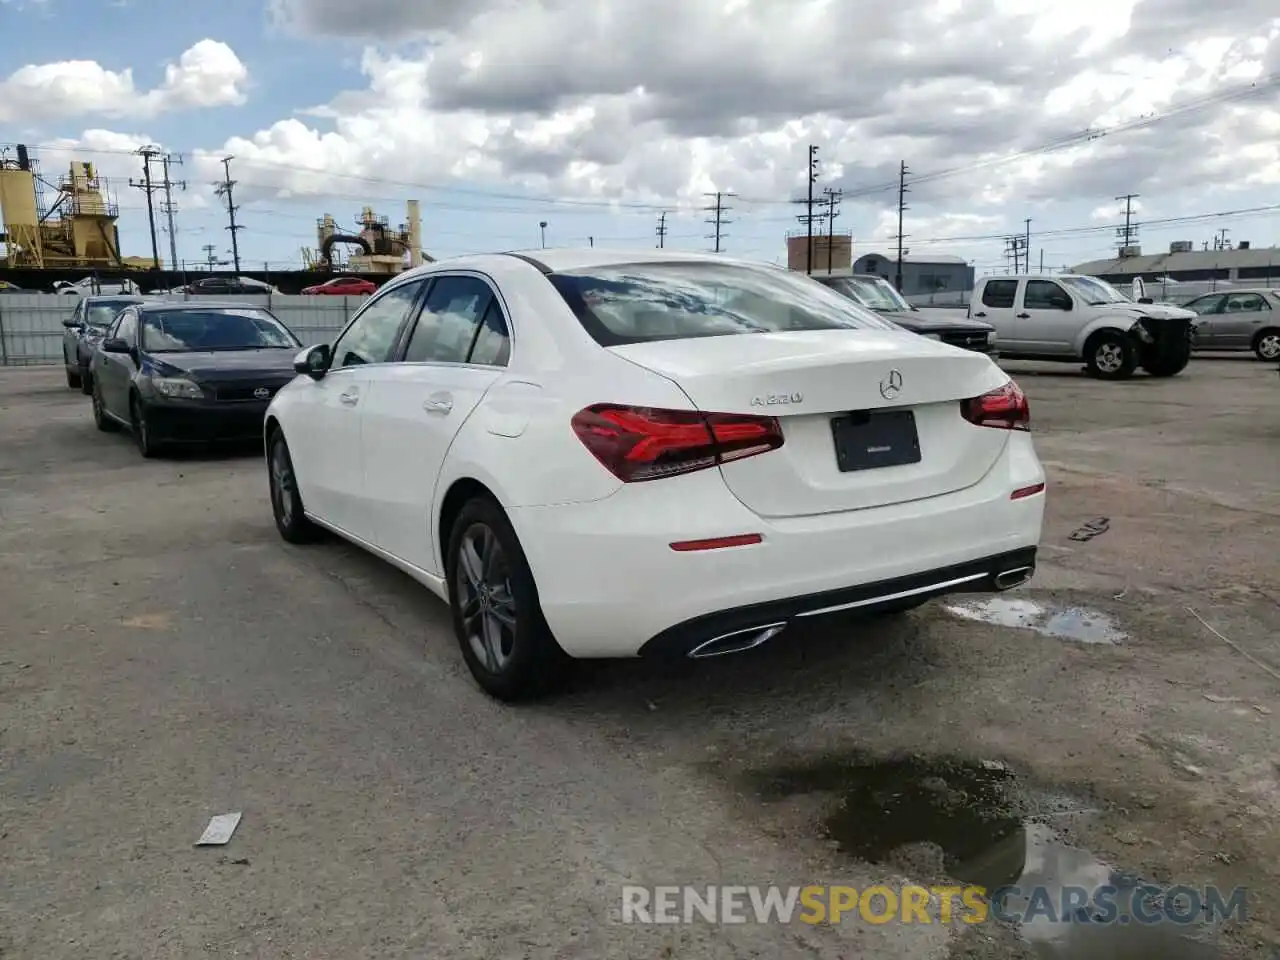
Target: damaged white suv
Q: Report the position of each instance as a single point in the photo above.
(1083, 319)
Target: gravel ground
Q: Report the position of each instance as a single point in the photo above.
(165, 657)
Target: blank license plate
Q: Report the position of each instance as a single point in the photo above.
(875, 438)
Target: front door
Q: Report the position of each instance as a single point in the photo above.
(1209, 320)
(456, 351)
(117, 369)
(1045, 323)
(325, 438)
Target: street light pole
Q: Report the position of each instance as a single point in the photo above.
(542, 225)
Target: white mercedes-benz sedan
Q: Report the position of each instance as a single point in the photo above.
(593, 453)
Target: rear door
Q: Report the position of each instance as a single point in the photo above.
(1243, 315)
(1046, 322)
(456, 350)
(995, 306)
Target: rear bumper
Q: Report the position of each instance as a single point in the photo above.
(610, 584)
(976, 576)
(206, 422)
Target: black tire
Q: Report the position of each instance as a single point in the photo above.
(1266, 345)
(100, 419)
(73, 379)
(1169, 368)
(286, 500)
(86, 381)
(523, 661)
(1109, 355)
(142, 436)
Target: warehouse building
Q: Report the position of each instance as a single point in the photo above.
(1186, 265)
(921, 274)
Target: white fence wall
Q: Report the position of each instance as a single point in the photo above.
(31, 324)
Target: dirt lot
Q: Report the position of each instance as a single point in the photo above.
(165, 657)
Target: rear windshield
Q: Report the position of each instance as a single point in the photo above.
(100, 313)
(635, 303)
(176, 331)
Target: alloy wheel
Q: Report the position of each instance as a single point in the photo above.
(282, 483)
(1269, 346)
(485, 598)
(1109, 357)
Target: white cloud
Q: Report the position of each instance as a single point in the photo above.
(208, 74)
(673, 98)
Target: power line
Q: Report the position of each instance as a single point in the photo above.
(719, 221)
(148, 154)
(223, 189)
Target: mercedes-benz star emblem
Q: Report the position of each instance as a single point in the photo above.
(262, 393)
(891, 385)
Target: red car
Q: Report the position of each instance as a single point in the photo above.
(342, 287)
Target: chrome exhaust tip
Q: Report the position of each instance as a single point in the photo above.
(736, 642)
(1009, 579)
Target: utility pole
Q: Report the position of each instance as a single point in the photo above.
(1129, 232)
(1220, 240)
(808, 217)
(719, 222)
(224, 190)
(209, 256)
(1026, 245)
(1013, 248)
(832, 202)
(662, 230)
(903, 190)
(148, 154)
(1042, 259)
(169, 211)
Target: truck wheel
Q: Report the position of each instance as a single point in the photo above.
(1110, 356)
(1267, 345)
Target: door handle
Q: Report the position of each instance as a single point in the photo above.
(438, 404)
(349, 399)
(980, 313)
(1024, 316)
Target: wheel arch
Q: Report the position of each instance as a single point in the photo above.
(1095, 330)
(1257, 337)
(460, 491)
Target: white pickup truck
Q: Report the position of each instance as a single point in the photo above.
(1083, 319)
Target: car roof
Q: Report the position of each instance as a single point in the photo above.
(219, 304)
(114, 297)
(583, 258)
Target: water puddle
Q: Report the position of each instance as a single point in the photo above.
(1067, 904)
(1069, 623)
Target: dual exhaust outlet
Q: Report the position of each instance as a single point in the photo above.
(739, 641)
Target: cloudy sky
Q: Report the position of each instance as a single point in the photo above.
(595, 116)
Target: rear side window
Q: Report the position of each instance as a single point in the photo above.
(999, 293)
(636, 303)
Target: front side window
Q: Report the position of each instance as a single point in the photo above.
(636, 303)
(1210, 304)
(234, 328)
(102, 312)
(1045, 295)
(127, 326)
(372, 335)
(1095, 292)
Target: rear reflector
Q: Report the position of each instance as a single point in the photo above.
(644, 443)
(1025, 492)
(1005, 408)
(716, 543)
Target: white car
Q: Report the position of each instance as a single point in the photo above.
(93, 287)
(603, 454)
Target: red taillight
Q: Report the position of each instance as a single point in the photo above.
(642, 443)
(1005, 408)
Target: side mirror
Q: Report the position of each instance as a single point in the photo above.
(115, 345)
(72, 324)
(313, 361)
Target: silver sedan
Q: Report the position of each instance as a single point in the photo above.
(1239, 320)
